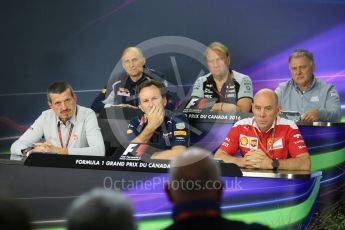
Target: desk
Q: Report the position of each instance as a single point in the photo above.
(47, 191)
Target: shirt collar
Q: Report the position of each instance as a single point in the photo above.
(309, 88)
(135, 82)
(230, 78)
(272, 126)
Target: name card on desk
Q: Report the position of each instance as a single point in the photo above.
(198, 105)
(198, 110)
(135, 158)
(217, 117)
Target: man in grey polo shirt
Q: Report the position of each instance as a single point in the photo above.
(66, 128)
(304, 93)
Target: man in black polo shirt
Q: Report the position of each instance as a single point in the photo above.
(233, 90)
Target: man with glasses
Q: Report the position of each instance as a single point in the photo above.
(66, 128)
(314, 99)
(233, 90)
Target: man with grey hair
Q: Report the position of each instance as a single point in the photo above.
(123, 86)
(195, 188)
(304, 93)
(100, 209)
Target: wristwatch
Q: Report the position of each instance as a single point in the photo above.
(275, 164)
(26, 150)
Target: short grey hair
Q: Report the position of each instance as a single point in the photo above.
(100, 209)
(302, 53)
(136, 49)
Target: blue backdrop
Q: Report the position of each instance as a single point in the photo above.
(81, 41)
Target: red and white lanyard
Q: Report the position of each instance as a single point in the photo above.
(69, 134)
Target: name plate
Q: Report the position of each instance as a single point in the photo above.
(219, 117)
(199, 110)
(137, 157)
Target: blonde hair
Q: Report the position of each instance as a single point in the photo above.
(217, 46)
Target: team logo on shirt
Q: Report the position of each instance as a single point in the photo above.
(314, 99)
(253, 143)
(244, 140)
(230, 95)
(180, 125)
(297, 136)
(180, 133)
(277, 143)
(123, 92)
(249, 142)
(166, 134)
(75, 137)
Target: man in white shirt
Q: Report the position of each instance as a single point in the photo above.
(66, 128)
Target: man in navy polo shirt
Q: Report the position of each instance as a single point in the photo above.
(125, 84)
(157, 125)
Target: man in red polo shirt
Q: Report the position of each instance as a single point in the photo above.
(265, 141)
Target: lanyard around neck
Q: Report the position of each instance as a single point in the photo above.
(69, 134)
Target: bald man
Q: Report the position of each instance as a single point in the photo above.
(124, 87)
(195, 189)
(265, 141)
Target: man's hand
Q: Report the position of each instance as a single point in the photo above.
(49, 148)
(43, 147)
(226, 107)
(126, 105)
(256, 158)
(311, 115)
(155, 117)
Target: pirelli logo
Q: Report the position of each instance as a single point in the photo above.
(180, 133)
